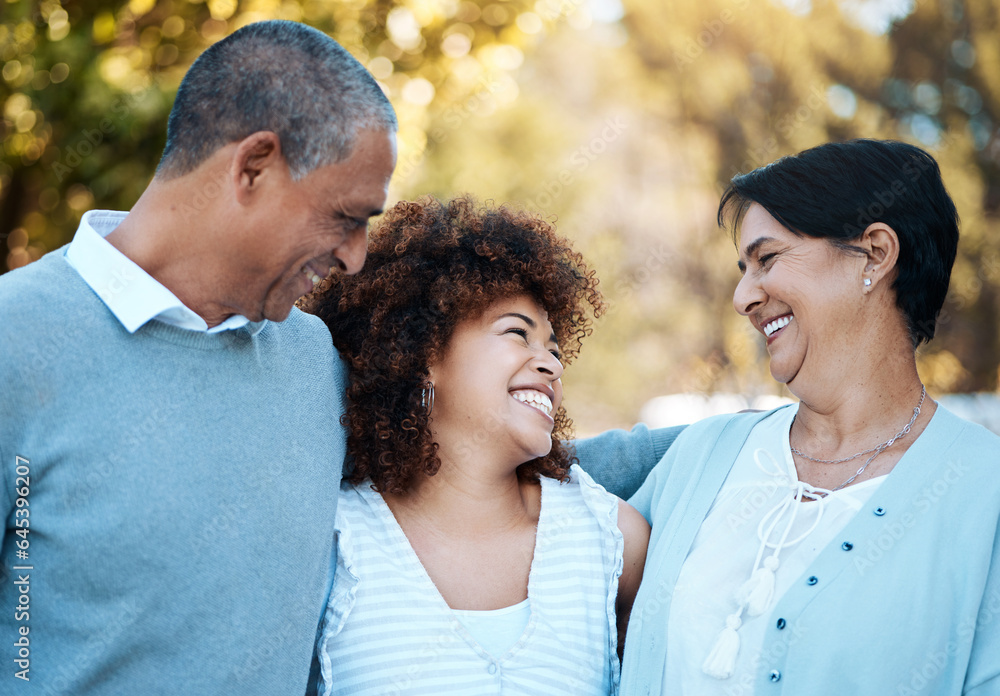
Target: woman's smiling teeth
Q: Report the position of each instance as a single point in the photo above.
(535, 399)
(779, 323)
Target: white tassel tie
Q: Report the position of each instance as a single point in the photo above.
(757, 592)
(756, 595)
(721, 662)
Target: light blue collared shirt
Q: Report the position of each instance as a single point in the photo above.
(132, 295)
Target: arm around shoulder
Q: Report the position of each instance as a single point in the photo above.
(620, 460)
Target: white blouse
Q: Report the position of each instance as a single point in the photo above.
(387, 629)
(497, 630)
(755, 542)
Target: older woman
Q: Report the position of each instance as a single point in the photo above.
(472, 558)
(848, 544)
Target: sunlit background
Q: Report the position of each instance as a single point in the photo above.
(620, 119)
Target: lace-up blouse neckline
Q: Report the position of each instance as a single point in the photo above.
(758, 538)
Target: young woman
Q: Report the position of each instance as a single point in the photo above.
(472, 557)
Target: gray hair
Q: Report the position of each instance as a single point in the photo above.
(276, 76)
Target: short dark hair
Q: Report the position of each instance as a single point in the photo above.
(277, 76)
(431, 265)
(835, 191)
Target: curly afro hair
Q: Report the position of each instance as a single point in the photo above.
(431, 265)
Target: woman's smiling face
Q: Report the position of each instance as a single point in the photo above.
(498, 380)
(803, 294)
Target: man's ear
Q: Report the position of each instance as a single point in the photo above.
(257, 156)
(881, 245)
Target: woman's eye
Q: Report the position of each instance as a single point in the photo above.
(523, 333)
(556, 354)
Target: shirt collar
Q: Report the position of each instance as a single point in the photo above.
(132, 295)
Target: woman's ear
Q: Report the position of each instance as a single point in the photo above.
(880, 244)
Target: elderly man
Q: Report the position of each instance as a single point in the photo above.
(170, 450)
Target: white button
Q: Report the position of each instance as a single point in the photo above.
(492, 669)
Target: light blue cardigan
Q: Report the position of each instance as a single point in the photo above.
(905, 602)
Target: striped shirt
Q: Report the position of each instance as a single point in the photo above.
(387, 629)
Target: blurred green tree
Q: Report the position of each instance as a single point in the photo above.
(623, 122)
(87, 87)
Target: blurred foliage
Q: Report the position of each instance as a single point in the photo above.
(621, 122)
(87, 87)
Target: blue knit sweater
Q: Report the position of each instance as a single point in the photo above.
(180, 490)
(905, 602)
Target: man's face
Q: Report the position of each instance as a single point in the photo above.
(306, 228)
